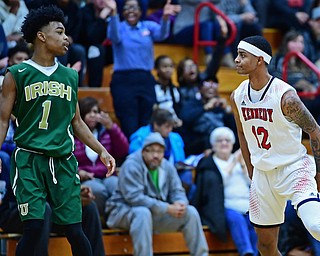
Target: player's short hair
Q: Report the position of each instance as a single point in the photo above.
(38, 18)
(259, 42)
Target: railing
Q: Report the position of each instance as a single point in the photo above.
(304, 59)
(197, 42)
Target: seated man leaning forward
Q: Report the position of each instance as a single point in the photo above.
(150, 198)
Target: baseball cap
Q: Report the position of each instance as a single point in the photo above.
(315, 13)
(153, 138)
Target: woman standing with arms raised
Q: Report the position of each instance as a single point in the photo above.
(132, 84)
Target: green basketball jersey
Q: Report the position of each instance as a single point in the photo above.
(45, 105)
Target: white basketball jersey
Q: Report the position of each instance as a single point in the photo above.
(272, 140)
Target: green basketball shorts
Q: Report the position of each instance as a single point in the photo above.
(37, 178)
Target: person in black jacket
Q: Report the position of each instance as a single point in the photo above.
(201, 109)
(222, 195)
(93, 36)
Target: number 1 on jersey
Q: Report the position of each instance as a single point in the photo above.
(46, 106)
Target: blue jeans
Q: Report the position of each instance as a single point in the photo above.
(242, 232)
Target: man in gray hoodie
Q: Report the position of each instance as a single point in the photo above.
(150, 198)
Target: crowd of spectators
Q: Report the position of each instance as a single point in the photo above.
(184, 119)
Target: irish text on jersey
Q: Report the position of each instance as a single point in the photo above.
(51, 88)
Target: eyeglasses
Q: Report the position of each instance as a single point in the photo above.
(131, 8)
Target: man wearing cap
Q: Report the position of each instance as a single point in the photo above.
(163, 121)
(270, 119)
(150, 198)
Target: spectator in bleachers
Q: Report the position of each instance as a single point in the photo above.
(244, 16)
(312, 37)
(3, 52)
(15, 55)
(132, 84)
(93, 34)
(150, 198)
(162, 121)
(12, 14)
(301, 77)
(206, 114)
(261, 6)
(222, 195)
(144, 7)
(192, 104)
(288, 14)
(73, 26)
(183, 27)
(167, 94)
(5, 158)
(91, 169)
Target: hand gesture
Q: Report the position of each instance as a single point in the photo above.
(170, 9)
(76, 66)
(105, 120)
(223, 26)
(84, 175)
(248, 17)
(302, 17)
(177, 209)
(14, 6)
(4, 62)
(86, 195)
(108, 161)
(112, 5)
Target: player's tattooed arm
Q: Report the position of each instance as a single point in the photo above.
(295, 110)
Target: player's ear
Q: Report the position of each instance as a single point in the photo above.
(260, 60)
(41, 36)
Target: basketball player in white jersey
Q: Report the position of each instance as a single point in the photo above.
(270, 119)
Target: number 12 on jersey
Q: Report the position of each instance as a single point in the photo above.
(261, 135)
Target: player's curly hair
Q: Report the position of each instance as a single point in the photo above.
(38, 18)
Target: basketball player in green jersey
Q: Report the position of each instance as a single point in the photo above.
(42, 95)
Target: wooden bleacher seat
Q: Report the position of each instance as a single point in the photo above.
(118, 242)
